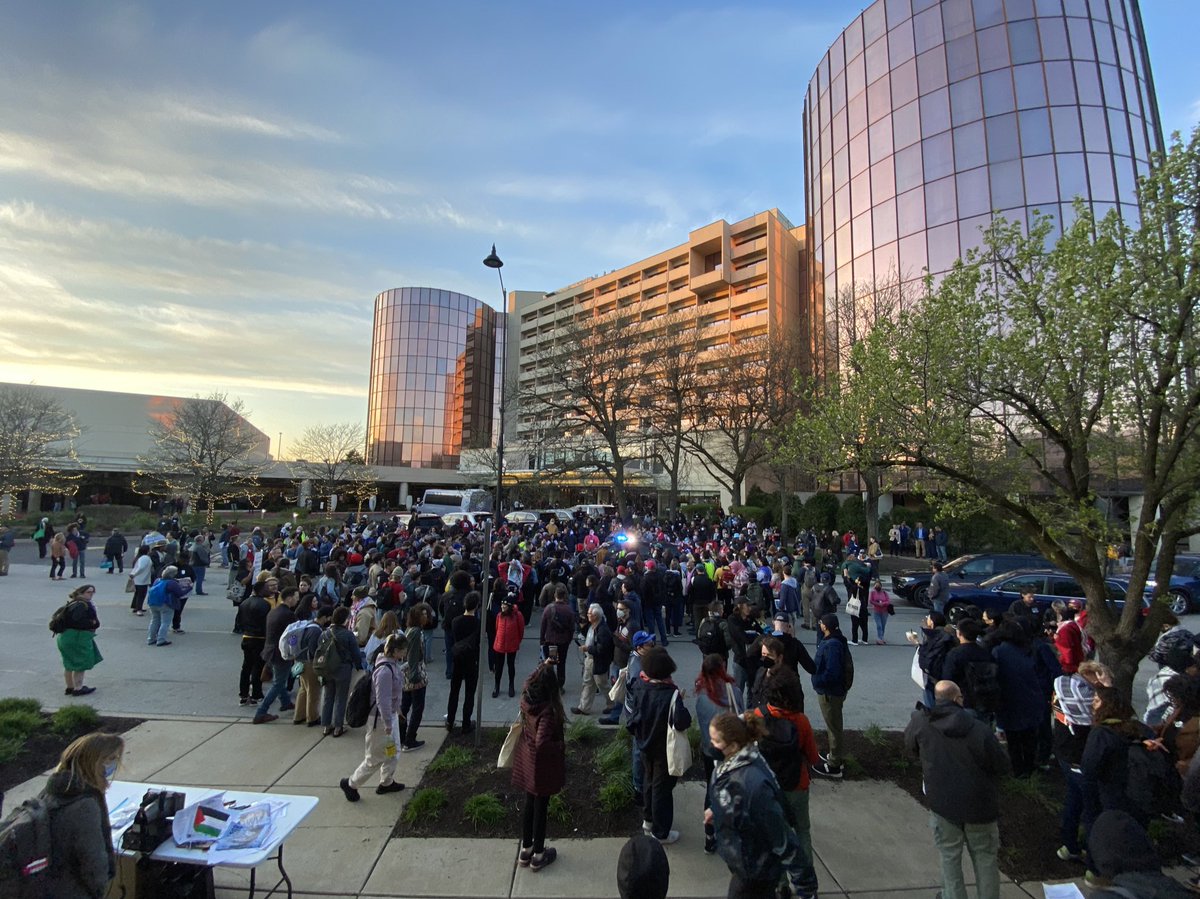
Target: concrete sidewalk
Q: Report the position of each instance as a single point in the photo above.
(871, 839)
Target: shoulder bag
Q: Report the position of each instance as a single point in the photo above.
(509, 747)
(679, 750)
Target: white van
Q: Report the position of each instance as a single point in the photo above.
(598, 512)
(443, 502)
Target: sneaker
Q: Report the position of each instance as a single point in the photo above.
(265, 719)
(827, 770)
(83, 691)
(524, 857)
(495, 693)
(163, 643)
(413, 746)
(546, 857)
(671, 837)
(394, 787)
(578, 711)
(351, 793)
(178, 630)
(1067, 855)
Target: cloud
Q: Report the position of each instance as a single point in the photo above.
(178, 111)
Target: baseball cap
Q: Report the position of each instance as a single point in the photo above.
(641, 638)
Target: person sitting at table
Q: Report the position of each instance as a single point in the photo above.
(83, 863)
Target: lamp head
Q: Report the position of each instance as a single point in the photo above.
(492, 260)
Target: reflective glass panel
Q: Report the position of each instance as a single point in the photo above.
(961, 60)
(988, 12)
(1008, 188)
(1110, 77)
(974, 197)
(970, 149)
(1105, 51)
(1060, 82)
(957, 18)
(900, 44)
(913, 258)
(943, 247)
(1040, 186)
(1080, 32)
(931, 70)
(881, 139)
(841, 205)
(887, 264)
(884, 219)
(1049, 7)
(993, 48)
(1054, 38)
(859, 154)
(879, 99)
(940, 201)
(935, 112)
(1100, 175)
(908, 167)
(854, 38)
(1126, 182)
(997, 92)
(856, 113)
(860, 194)
(1031, 89)
(837, 92)
(1018, 9)
(1072, 176)
(1002, 141)
(861, 230)
(927, 29)
(874, 22)
(898, 11)
(906, 125)
(883, 180)
(840, 135)
(966, 105)
(856, 76)
(1118, 132)
(1067, 136)
(910, 211)
(1035, 132)
(970, 232)
(1095, 128)
(904, 83)
(877, 60)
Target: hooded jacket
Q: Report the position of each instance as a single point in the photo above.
(650, 716)
(754, 836)
(83, 863)
(540, 759)
(1121, 850)
(961, 763)
(830, 677)
(789, 597)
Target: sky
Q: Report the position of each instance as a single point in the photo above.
(207, 197)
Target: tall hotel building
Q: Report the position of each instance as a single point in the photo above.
(925, 117)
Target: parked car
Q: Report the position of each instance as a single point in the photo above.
(998, 593)
(475, 519)
(598, 511)
(563, 516)
(522, 516)
(1184, 586)
(913, 584)
(426, 520)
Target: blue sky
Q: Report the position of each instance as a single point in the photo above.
(209, 196)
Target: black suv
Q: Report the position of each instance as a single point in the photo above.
(913, 584)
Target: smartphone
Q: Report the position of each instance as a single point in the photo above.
(553, 653)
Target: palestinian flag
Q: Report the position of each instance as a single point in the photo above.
(209, 821)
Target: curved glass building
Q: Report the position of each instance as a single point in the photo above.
(925, 117)
(435, 377)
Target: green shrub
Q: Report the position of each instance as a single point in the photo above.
(751, 513)
(484, 810)
(820, 512)
(71, 719)
(18, 725)
(19, 705)
(10, 748)
(852, 516)
(853, 767)
(613, 757)
(426, 804)
(559, 810)
(616, 792)
(584, 731)
(451, 758)
(874, 735)
(708, 510)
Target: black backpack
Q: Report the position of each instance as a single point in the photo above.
(361, 701)
(983, 685)
(328, 657)
(1152, 783)
(58, 621)
(847, 668)
(709, 638)
(26, 853)
(781, 748)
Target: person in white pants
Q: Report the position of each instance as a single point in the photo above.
(382, 723)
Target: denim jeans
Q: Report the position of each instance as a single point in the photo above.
(449, 640)
(880, 623)
(982, 842)
(77, 564)
(638, 771)
(280, 669)
(1072, 811)
(200, 571)
(160, 622)
(654, 621)
(334, 694)
(801, 872)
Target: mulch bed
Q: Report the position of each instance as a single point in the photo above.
(43, 748)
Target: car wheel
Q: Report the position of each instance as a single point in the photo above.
(920, 597)
(1179, 603)
(958, 611)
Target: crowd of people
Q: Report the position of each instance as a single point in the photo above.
(999, 695)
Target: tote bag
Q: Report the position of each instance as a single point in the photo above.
(509, 746)
(679, 750)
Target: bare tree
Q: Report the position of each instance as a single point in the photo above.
(672, 370)
(329, 457)
(36, 434)
(362, 481)
(206, 450)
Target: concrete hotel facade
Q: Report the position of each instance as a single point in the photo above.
(732, 281)
(435, 380)
(925, 117)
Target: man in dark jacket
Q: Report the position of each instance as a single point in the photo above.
(451, 606)
(931, 655)
(702, 593)
(962, 765)
(971, 666)
(829, 683)
(115, 548)
(308, 560)
(251, 623)
(653, 596)
(939, 588)
(200, 560)
(597, 650)
(558, 632)
(464, 648)
(277, 621)
(652, 716)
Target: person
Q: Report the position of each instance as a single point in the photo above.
(1072, 709)
(363, 613)
(856, 574)
(389, 623)
(43, 535)
(83, 863)
(557, 631)
(829, 682)
(974, 670)
(1071, 640)
(449, 608)
(962, 765)
(379, 754)
(1105, 760)
(77, 544)
(715, 693)
(749, 813)
(807, 586)
(934, 643)
(115, 548)
(335, 689)
(251, 622)
(643, 871)
(58, 556)
(416, 678)
(6, 544)
(702, 593)
(880, 603)
(658, 705)
(597, 651)
(510, 629)
(308, 696)
(77, 641)
(142, 573)
(784, 702)
(464, 649)
(1175, 654)
(1123, 853)
(163, 598)
(539, 762)
(919, 534)
(938, 590)
(201, 559)
(1022, 665)
(277, 621)
(1025, 607)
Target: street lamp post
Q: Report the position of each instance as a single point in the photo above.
(492, 261)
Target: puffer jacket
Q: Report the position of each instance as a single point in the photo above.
(754, 837)
(509, 631)
(84, 863)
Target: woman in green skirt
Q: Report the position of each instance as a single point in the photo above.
(77, 643)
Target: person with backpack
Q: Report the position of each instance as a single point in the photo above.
(962, 765)
(1106, 763)
(790, 749)
(934, 642)
(831, 684)
(251, 623)
(416, 678)
(75, 626)
(702, 593)
(329, 590)
(164, 599)
(383, 723)
(68, 825)
(464, 649)
(1022, 667)
(277, 621)
(715, 693)
(558, 631)
(308, 695)
(337, 658)
(972, 667)
(749, 814)
(450, 607)
(712, 635)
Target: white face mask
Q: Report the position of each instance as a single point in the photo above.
(622, 614)
(110, 771)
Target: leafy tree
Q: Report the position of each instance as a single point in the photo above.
(1033, 377)
(36, 434)
(206, 450)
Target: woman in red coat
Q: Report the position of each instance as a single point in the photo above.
(539, 762)
(510, 628)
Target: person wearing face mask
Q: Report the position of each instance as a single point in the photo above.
(83, 864)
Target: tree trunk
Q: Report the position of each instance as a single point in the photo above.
(735, 492)
(210, 514)
(870, 478)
